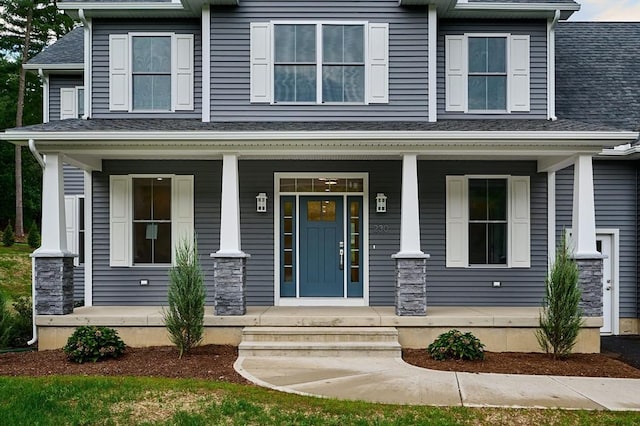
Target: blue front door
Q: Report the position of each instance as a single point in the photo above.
(321, 246)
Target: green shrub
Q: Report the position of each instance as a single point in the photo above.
(22, 322)
(6, 322)
(34, 236)
(456, 345)
(8, 237)
(91, 343)
(186, 296)
(561, 316)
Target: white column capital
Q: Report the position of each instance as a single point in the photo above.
(584, 212)
(410, 210)
(230, 209)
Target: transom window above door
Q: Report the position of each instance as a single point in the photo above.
(323, 184)
(319, 62)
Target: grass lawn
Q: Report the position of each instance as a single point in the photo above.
(15, 270)
(126, 400)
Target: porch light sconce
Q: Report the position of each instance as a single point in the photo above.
(261, 202)
(381, 203)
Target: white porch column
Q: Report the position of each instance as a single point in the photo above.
(410, 209)
(230, 208)
(54, 233)
(584, 212)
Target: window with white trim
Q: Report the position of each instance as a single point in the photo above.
(488, 221)
(71, 102)
(149, 215)
(487, 73)
(319, 62)
(151, 72)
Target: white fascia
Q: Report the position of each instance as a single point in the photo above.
(516, 7)
(54, 67)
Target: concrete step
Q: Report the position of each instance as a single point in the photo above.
(320, 341)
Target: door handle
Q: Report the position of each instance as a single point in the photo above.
(608, 288)
(341, 255)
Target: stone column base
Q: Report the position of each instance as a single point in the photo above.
(411, 286)
(54, 284)
(230, 276)
(590, 281)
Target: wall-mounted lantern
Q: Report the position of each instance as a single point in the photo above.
(381, 203)
(261, 202)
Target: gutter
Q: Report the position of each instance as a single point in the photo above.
(34, 339)
(551, 66)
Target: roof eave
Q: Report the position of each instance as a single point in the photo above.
(54, 67)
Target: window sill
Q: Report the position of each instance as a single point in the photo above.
(488, 112)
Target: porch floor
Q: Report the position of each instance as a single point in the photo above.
(500, 328)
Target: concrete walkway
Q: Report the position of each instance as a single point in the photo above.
(392, 381)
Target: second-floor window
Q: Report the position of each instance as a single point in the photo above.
(319, 63)
(487, 73)
(71, 102)
(151, 72)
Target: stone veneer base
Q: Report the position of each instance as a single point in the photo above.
(590, 281)
(411, 286)
(54, 285)
(230, 276)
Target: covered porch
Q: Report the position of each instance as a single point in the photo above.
(501, 329)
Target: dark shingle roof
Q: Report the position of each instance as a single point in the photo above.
(168, 125)
(598, 73)
(69, 49)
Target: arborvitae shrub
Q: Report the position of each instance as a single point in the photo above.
(34, 236)
(8, 236)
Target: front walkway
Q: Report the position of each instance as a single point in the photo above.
(392, 381)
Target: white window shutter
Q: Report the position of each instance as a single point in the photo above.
(519, 85)
(120, 221)
(261, 63)
(182, 202)
(457, 222)
(520, 222)
(456, 73)
(378, 63)
(182, 85)
(68, 103)
(118, 72)
(71, 218)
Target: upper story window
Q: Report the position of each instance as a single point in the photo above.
(488, 221)
(71, 102)
(319, 63)
(487, 73)
(151, 72)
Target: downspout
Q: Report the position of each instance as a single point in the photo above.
(87, 63)
(34, 339)
(551, 67)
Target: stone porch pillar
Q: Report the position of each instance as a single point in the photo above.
(229, 266)
(589, 260)
(52, 263)
(411, 262)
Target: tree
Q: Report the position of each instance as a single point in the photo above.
(185, 318)
(561, 317)
(29, 25)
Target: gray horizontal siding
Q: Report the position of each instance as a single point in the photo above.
(100, 64)
(538, 50)
(473, 286)
(120, 286)
(408, 59)
(615, 187)
(73, 180)
(56, 82)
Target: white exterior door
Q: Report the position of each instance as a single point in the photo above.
(605, 247)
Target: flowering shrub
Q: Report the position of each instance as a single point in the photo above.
(91, 343)
(456, 345)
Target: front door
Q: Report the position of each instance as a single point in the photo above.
(322, 250)
(604, 246)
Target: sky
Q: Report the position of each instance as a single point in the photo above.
(608, 10)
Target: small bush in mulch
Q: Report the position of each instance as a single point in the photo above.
(456, 345)
(91, 343)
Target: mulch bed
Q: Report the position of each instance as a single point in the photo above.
(215, 362)
(585, 365)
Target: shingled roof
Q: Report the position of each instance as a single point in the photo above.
(69, 49)
(598, 73)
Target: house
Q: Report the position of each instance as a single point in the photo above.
(414, 162)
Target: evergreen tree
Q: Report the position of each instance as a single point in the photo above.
(186, 295)
(561, 317)
(8, 236)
